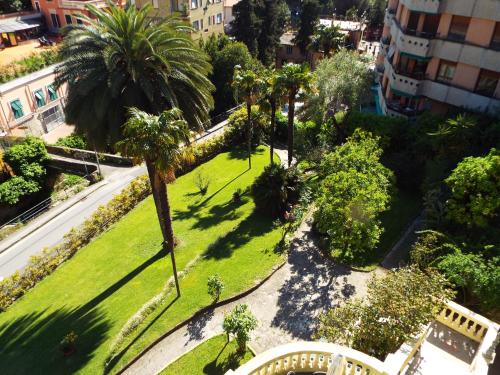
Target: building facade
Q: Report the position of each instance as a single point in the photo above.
(59, 13)
(205, 16)
(440, 55)
(31, 104)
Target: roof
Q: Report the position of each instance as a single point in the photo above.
(230, 3)
(343, 25)
(287, 39)
(21, 81)
(9, 25)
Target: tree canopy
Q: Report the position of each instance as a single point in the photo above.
(309, 17)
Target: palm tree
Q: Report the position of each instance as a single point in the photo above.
(246, 85)
(157, 141)
(122, 58)
(273, 94)
(327, 39)
(293, 77)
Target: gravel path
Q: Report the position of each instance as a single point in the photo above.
(286, 305)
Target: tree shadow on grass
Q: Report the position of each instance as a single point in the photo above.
(216, 214)
(30, 344)
(255, 225)
(241, 153)
(228, 362)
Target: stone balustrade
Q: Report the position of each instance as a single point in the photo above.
(75, 4)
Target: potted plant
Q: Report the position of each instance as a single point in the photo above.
(68, 344)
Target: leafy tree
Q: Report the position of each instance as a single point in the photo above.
(122, 58)
(274, 189)
(352, 195)
(271, 98)
(9, 6)
(475, 190)
(215, 286)
(12, 190)
(309, 17)
(475, 276)
(73, 141)
(342, 81)
(156, 140)
(293, 78)
(240, 322)
(246, 84)
(246, 25)
(28, 158)
(431, 247)
(395, 309)
(327, 39)
(231, 55)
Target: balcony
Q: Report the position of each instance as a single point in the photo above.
(411, 42)
(460, 97)
(80, 5)
(401, 81)
(487, 9)
(457, 342)
(423, 6)
(389, 16)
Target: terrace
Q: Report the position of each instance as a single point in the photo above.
(457, 342)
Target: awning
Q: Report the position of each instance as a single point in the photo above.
(10, 26)
(16, 105)
(38, 95)
(415, 57)
(51, 89)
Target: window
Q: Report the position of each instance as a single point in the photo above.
(67, 18)
(79, 21)
(446, 71)
(52, 92)
(194, 4)
(487, 83)
(37, 6)
(458, 28)
(39, 98)
(196, 25)
(495, 41)
(289, 50)
(55, 20)
(219, 18)
(17, 108)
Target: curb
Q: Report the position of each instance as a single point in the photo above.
(201, 312)
(41, 224)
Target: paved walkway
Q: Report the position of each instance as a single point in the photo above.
(286, 305)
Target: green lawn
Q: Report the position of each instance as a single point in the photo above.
(405, 207)
(214, 357)
(98, 290)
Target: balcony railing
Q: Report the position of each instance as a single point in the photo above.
(74, 4)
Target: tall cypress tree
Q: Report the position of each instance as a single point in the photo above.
(309, 16)
(246, 24)
(273, 21)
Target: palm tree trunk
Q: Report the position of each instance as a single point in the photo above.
(291, 115)
(162, 204)
(273, 125)
(249, 133)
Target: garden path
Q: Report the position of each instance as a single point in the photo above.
(286, 305)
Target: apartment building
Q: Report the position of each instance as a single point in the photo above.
(31, 104)
(206, 16)
(440, 55)
(59, 13)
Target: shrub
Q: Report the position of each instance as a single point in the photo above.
(29, 64)
(215, 286)
(15, 188)
(240, 322)
(73, 141)
(21, 156)
(275, 189)
(202, 181)
(430, 247)
(237, 125)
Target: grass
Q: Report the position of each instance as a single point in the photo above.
(98, 290)
(213, 357)
(405, 207)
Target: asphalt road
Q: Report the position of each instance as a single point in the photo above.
(73, 212)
